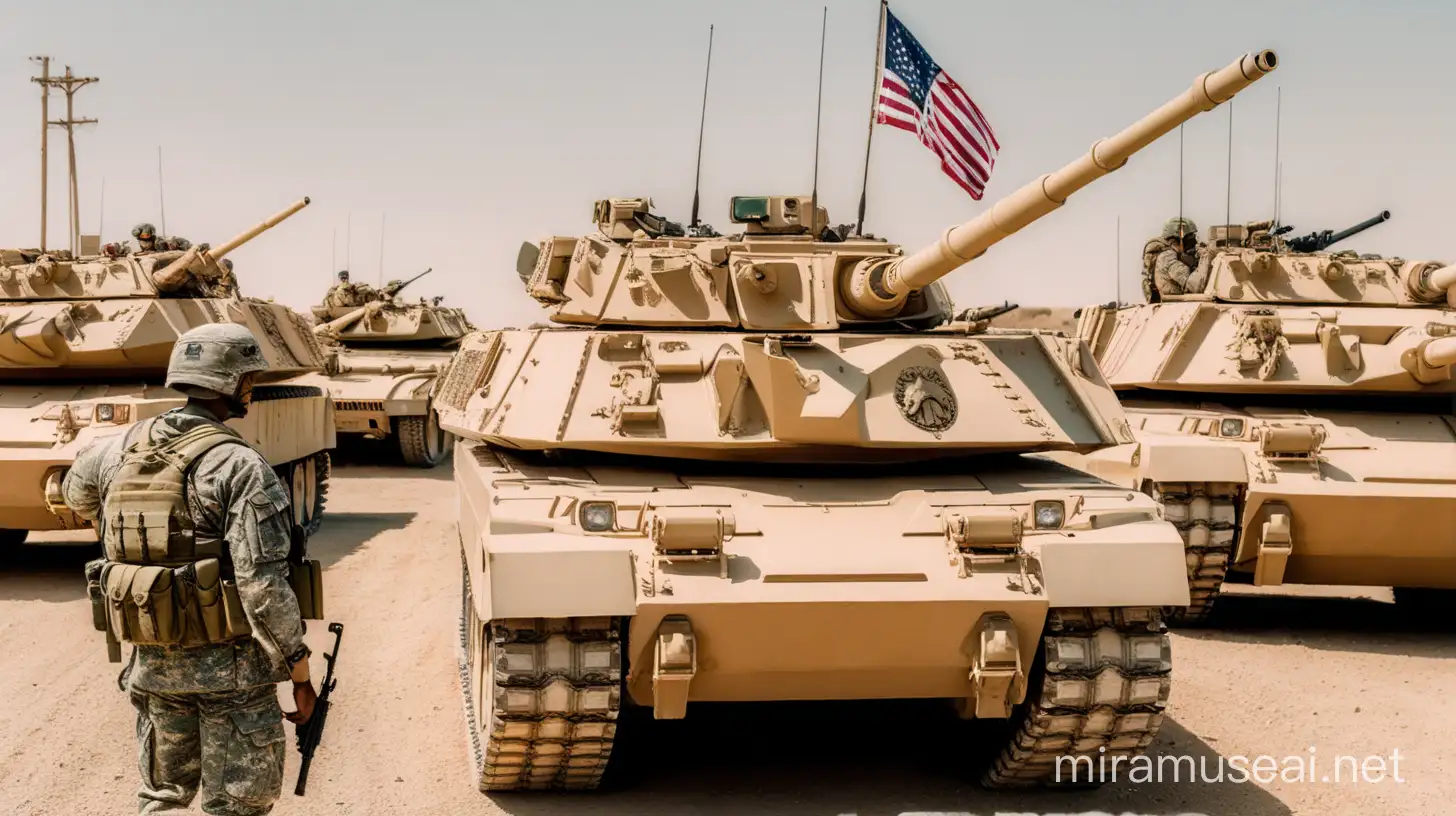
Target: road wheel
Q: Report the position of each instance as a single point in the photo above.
(422, 442)
(307, 480)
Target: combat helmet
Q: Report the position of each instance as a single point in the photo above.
(214, 357)
(1176, 227)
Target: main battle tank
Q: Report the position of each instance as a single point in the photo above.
(1293, 417)
(383, 358)
(779, 466)
(84, 344)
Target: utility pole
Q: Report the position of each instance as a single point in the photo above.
(69, 84)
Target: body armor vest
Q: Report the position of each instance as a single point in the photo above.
(162, 583)
(1151, 251)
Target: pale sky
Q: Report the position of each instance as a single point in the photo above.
(470, 127)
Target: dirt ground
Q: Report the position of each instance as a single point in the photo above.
(1340, 673)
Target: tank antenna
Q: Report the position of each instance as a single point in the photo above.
(381, 250)
(161, 192)
(818, 117)
(1117, 265)
(348, 240)
(702, 120)
(1228, 190)
(1180, 173)
(874, 108)
(1278, 115)
(101, 209)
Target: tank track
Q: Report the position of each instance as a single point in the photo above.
(1098, 691)
(552, 689)
(413, 436)
(1207, 517)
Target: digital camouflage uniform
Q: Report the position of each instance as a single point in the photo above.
(208, 716)
(1164, 271)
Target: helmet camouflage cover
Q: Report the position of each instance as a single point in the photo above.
(1175, 227)
(144, 232)
(215, 356)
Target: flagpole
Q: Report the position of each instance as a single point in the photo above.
(874, 105)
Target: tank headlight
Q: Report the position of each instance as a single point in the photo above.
(110, 412)
(598, 516)
(1048, 514)
(1231, 427)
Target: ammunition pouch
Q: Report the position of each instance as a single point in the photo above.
(307, 579)
(184, 606)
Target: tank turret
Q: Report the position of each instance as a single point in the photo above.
(781, 275)
(109, 316)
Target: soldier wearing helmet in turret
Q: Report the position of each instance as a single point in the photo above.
(149, 241)
(181, 496)
(350, 295)
(1173, 263)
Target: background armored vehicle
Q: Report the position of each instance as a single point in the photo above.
(84, 344)
(1293, 417)
(384, 356)
(777, 466)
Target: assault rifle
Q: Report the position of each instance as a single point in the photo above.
(310, 733)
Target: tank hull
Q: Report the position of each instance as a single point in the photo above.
(386, 394)
(375, 386)
(43, 427)
(829, 587)
(1375, 505)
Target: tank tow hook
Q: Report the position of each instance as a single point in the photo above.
(674, 662)
(1276, 542)
(998, 680)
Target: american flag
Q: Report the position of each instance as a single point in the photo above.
(916, 95)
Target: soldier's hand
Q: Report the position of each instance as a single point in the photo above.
(304, 698)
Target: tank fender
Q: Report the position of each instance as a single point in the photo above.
(1145, 566)
(1193, 463)
(527, 570)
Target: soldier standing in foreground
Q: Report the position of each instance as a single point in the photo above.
(196, 529)
(1172, 262)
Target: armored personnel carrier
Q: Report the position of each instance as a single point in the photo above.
(1294, 417)
(778, 466)
(84, 344)
(383, 358)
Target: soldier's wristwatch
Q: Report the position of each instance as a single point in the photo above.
(298, 665)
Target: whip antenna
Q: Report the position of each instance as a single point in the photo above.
(818, 116)
(702, 120)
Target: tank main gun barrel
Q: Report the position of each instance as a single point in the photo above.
(877, 288)
(256, 230)
(1319, 241)
(396, 287)
(345, 320)
(202, 258)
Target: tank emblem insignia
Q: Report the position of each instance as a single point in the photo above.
(925, 398)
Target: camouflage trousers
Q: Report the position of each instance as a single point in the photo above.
(230, 743)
